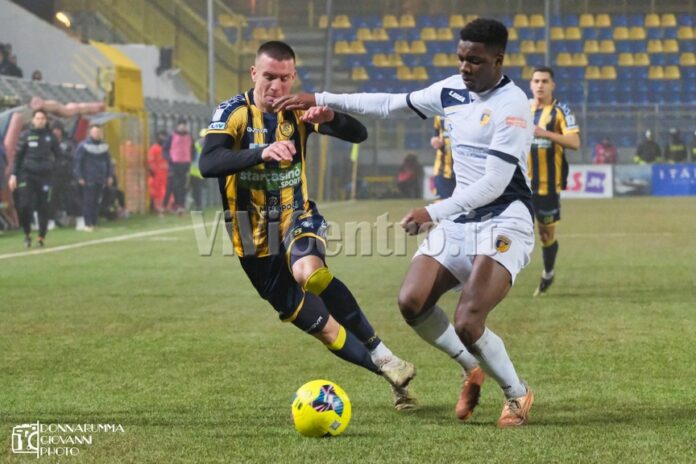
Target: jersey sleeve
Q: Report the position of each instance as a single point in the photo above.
(568, 123)
(513, 132)
(427, 102)
(229, 118)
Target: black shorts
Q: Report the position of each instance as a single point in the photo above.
(444, 187)
(547, 208)
(272, 275)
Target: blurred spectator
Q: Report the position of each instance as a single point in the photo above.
(157, 173)
(693, 148)
(93, 171)
(15, 70)
(64, 188)
(113, 203)
(36, 76)
(409, 179)
(179, 150)
(195, 178)
(648, 151)
(605, 152)
(675, 151)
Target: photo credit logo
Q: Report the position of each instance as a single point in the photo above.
(63, 440)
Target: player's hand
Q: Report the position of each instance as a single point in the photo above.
(539, 132)
(417, 220)
(12, 183)
(318, 115)
(81, 182)
(279, 151)
(437, 143)
(300, 101)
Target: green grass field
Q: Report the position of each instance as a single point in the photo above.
(181, 352)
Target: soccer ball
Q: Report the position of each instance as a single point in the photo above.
(320, 408)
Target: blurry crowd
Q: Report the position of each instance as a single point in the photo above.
(9, 66)
(648, 150)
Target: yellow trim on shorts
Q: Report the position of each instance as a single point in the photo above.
(294, 314)
(292, 242)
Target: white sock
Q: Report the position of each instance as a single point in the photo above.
(434, 327)
(547, 275)
(496, 362)
(380, 352)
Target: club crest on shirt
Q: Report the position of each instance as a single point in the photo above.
(502, 243)
(485, 117)
(286, 129)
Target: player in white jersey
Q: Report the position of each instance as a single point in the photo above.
(485, 234)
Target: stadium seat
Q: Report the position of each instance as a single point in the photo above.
(537, 20)
(428, 33)
(668, 20)
(557, 33)
(512, 34)
(520, 20)
(419, 73)
(456, 21)
(573, 33)
(641, 59)
(564, 59)
(357, 47)
(626, 59)
(607, 46)
(342, 47)
(656, 72)
(527, 46)
(341, 22)
(590, 33)
(637, 33)
(260, 33)
(445, 33)
(402, 46)
(653, 32)
(602, 20)
(527, 73)
(687, 59)
(670, 46)
(672, 72)
(608, 72)
(540, 46)
(652, 20)
(379, 34)
(591, 46)
(592, 72)
(685, 19)
(621, 33)
(403, 73)
(579, 59)
(364, 33)
(407, 21)
(604, 33)
(685, 33)
(390, 22)
(359, 74)
(587, 20)
(654, 46)
(323, 22)
(527, 33)
(418, 47)
(517, 59)
(571, 20)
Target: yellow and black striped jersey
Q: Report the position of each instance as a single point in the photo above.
(546, 158)
(268, 191)
(443, 156)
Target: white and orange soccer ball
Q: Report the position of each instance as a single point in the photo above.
(321, 408)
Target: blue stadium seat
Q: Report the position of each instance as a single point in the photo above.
(526, 33)
(441, 21)
(654, 33)
(619, 20)
(688, 45)
(535, 59)
(685, 19)
(669, 32)
(506, 19)
(638, 46)
(605, 33)
(574, 46)
(591, 33)
(442, 46)
(636, 20)
(571, 20)
(556, 21)
(513, 47)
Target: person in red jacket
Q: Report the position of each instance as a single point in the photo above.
(157, 170)
(605, 152)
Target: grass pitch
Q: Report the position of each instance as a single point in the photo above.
(181, 351)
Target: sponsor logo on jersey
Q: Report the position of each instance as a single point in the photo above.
(271, 178)
(256, 130)
(515, 121)
(217, 125)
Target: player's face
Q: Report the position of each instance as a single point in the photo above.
(542, 85)
(96, 133)
(479, 66)
(272, 79)
(39, 120)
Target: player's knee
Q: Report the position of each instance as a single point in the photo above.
(469, 323)
(315, 281)
(410, 303)
(546, 236)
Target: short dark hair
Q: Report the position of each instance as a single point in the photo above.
(39, 110)
(490, 32)
(543, 69)
(277, 50)
(98, 126)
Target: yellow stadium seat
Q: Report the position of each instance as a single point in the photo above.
(364, 33)
(620, 33)
(441, 60)
(527, 73)
(260, 33)
(341, 22)
(279, 34)
(668, 20)
(564, 59)
(625, 59)
(445, 33)
(540, 46)
(401, 46)
(390, 22)
(323, 22)
(379, 33)
(591, 46)
(608, 72)
(428, 33)
(607, 46)
(573, 33)
(380, 60)
(471, 17)
(342, 47)
(359, 74)
(672, 72)
(636, 33)
(670, 46)
(592, 72)
(587, 20)
(457, 21)
(579, 59)
(537, 20)
(687, 59)
(453, 60)
(685, 33)
(652, 20)
(395, 60)
(418, 47)
(357, 47)
(520, 20)
(419, 73)
(654, 46)
(407, 22)
(656, 72)
(517, 59)
(527, 46)
(512, 34)
(249, 47)
(641, 59)
(603, 20)
(557, 33)
(403, 73)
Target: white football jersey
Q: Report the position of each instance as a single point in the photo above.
(495, 123)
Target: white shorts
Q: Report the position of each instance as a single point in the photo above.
(507, 238)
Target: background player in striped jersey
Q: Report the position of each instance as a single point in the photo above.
(258, 156)
(555, 129)
(443, 169)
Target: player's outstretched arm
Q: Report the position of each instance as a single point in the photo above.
(373, 104)
(219, 159)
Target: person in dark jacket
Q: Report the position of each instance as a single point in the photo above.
(648, 151)
(37, 150)
(93, 170)
(64, 189)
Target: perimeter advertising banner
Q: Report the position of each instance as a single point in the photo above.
(589, 181)
(674, 179)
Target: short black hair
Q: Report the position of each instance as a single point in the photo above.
(39, 110)
(98, 126)
(490, 32)
(544, 69)
(277, 50)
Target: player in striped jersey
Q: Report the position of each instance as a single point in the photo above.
(555, 130)
(258, 156)
(443, 168)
